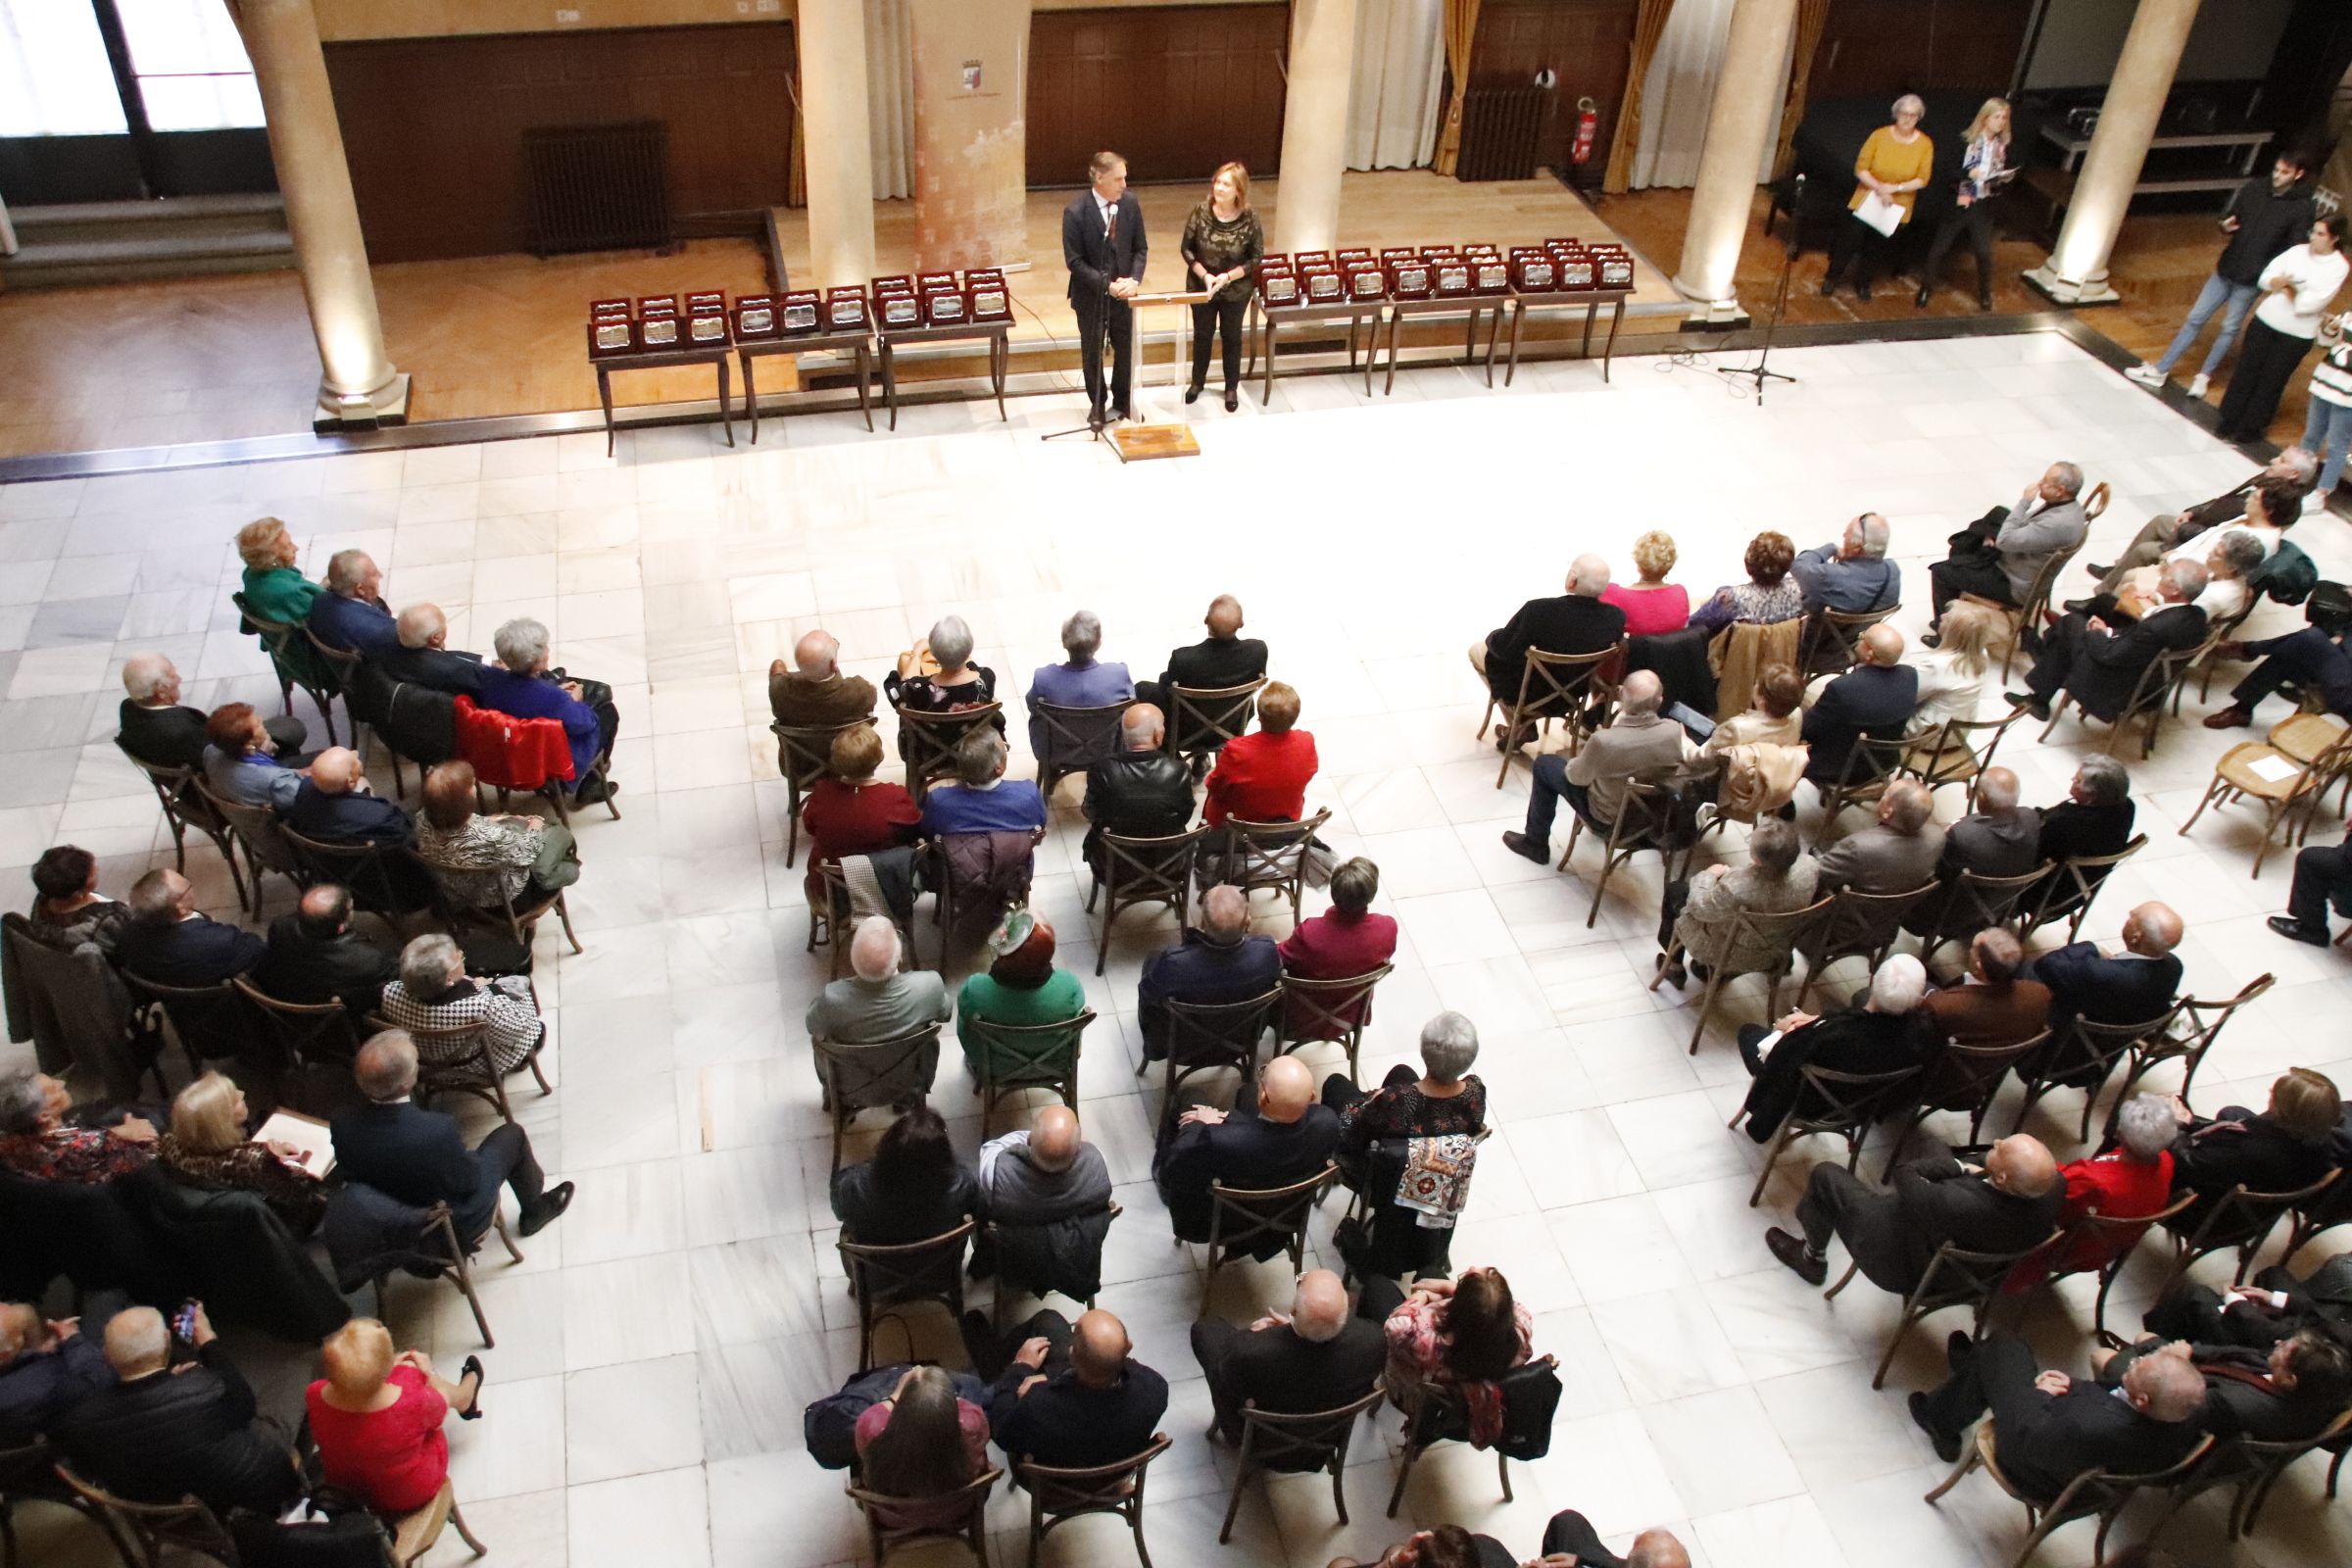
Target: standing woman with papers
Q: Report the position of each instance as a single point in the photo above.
(1985, 170)
(1894, 164)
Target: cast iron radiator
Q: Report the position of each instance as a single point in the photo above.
(1501, 126)
(597, 187)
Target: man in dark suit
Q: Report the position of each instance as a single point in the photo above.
(1875, 698)
(168, 942)
(2007, 1205)
(158, 730)
(2102, 664)
(351, 614)
(1103, 245)
(334, 806)
(2051, 1428)
(1073, 1396)
(1141, 791)
(2134, 984)
(1286, 1137)
(1576, 622)
(1999, 838)
(2284, 1394)
(424, 657)
(1320, 1357)
(417, 1157)
(1221, 660)
(316, 957)
(1217, 961)
(2276, 1305)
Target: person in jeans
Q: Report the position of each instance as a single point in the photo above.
(2327, 429)
(1639, 744)
(2262, 222)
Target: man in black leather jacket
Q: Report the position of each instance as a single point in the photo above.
(1142, 792)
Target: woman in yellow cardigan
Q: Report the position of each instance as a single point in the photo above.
(1894, 162)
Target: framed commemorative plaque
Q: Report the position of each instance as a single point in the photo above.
(1451, 277)
(1409, 278)
(1534, 272)
(1324, 286)
(987, 297)
(847, 310)
(801, 312)
(943, 306)
(1366, 281)
(1277, 286)
(610, 333)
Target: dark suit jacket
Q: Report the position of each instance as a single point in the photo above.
(303, 968)
(159, 1438)
(2071, 828)
(2005, 845)
(167, 737)
(353, 818)
(196, 952)
(1198, 971)
(2209, 1159)
(1065, 1423)
(2106, 670)
(1140, 794)
(1566, 623)
(1874, 699)
(1214, 664)
(2062, 1436)
(443, 669)
(869, 1217)
(1094, 263)
(418, 1158)
(361, 625)
(2235, 1406)
(2085, 983)
(1282, 1372)
(39, 1386)
(1895, 1235)
(1859, 1043)
(1242, 1151)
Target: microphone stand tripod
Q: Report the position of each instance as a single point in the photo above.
(1780, 299)
(1093, 428)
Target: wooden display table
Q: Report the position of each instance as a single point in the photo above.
(1353, 312)
(716, 355)
(1475, 304)
(830, 343)
(1000, 353)
(1591, 299)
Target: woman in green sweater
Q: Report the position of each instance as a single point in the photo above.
(276, 590)
(1022, 987)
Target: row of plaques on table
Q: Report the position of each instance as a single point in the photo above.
(670, 323)
(907, 301)
(1440, 272)
(660, 324)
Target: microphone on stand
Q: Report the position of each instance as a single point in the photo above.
(1797, 217)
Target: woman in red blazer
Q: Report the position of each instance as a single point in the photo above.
(1262, 777)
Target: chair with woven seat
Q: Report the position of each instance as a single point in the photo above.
(416, 1533)
(1200, 719)
(1847, 1104)
(1058, 1495)
(928, 742)
(1241, 1220)
(2071, 890)
(260, 840)
(2200, 1023)
(2254, 1467)
(185, 808)
(29, 1474)
(1297, 1445)
(1434, 1414)
(1204, 1037)
(2288, 787)
(1073, 740)
(1958, 750)
(518, 919)
(2092, 1493)
(894, 1522)
(1856, 925)
(345, 663)
(805, 755)
(1007, 1058)
(880, 1075)
(1830, 642)
(293, 659)
(1753, 931)
(525, 756)
(1138, 871)
(1646, 820)
(1955, 1277)
(2082, 1056)
(2316, 1216)
(1963, 1078)
(1256, 856)
(301, 1034)
(1562, 686)
(1034, 1260)
(884, 1280)
(2158, 686)
(1326, 1012)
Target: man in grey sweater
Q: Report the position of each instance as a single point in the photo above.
(1042, 1174)
(1998, 555)
(1639, 744)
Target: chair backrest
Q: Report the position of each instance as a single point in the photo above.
(1964, 1077)
(257, 829)
(1268, 854)
(805, 752)
(1242, 1217)
(1837, 1101)
(1328, 1009)
(1874, 762)
(930, 740)
(2154, 688)
(365, 868)
(1972, 902)
(303, 1031)
(1202, 718)
(1072, 1270)
(1071, 740)
(2072, 888)
(211, 1019)
(1826, 645)
(1649, 817)
(1116, 1488)
(2082, 1048)
(455, 1059)
(2045, 581)
(1141, 871)
(1956, 1274)
(1203, 1034)
(2097, 1240)
(1024, 1055)
(1858, 922)
(894, 1520)
(188, 1524)
(861, 1077)
(507, 753)
(170, 785)
(1317, 1439)
(1956, 751)
(1554, 684)
(909, 1271)
(2241, 1218)
(2203, 1022)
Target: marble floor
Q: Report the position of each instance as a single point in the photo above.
(655, 1351)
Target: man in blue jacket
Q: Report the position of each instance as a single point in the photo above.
(524, 688)
(351, 614)
(417, 1157)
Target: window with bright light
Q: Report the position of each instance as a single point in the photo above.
(191, 64)
(54, 79)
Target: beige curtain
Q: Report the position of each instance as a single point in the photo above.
(1462, 30)
(1650, 25)
(1812, 16)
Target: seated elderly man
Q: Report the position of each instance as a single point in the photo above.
(879, 1002)
(982, 800)
(2132, 985)
(1072, 1396)
(1639, 744)
(157, 730)
(436, 1000)
(1853, 575)
(1079, 681)
(47, 1366)
(1262, 776)
(417, 1157)
(2000, 555)
(239, 764)
(2100, 664)
(163, 1433)
(1896, 854)
(42, 1139)
(2289, 1395)
(1992, 1006)
(1217, 961)
(521, 686)
(2234, 557)
(811, 692)
(2310, 659)
(1040, 1174)
(2270, 499)
(171, 944)
(1286, 1137)
(1141, 791)
(351, 614)
(1577, 622)
(334, 805)
(1888, 1035)
(1999, 838)
(2095, 817)
(424, 658)
(1875, 698)
(2052, 1428)
(1702, 912)
(1318, 1356)
(1224, 658)
(2005, 1205)
(315, 956)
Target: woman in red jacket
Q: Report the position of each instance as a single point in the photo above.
(2131, 1180)
(377, 1417)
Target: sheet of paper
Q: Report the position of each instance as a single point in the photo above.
(1880, 213)
(305, 1132)
(2272, 769)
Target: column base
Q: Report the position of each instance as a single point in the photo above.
(363, 410)
(1723, 315)
(2069, 292)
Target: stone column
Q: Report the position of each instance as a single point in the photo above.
(1742, 124)
(358, 384)
(1314, 125)
(840, 141)
(2077, 271)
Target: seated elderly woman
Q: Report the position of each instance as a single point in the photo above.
(1446, 1099)
(1889, 1034)
(66, 908)
(913, 1189)
(1652, 605)
(2287, 1146)
(276, 590)
(1021, 987)
(2129, 1181)
(1702, 912)
(850, 812)
(377, 1417)
(524, 688)
(434, 996)
(925, 1441)
(1343, 942)
(485, 860)
(42, 1137)
(1770, 594)
(208, 1147)
(241, 763)
(950, 682)
(1954, 674)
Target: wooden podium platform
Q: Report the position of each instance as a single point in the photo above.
(1152, 436)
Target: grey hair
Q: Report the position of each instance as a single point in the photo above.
(1996, 794)
(1225, 912)
(1449, 1046)
(980, 756)
(137, 1340)
(950, 642)
(867, 949)
(1082, 634)
(22, 1101)
(343, 570)
(2187, 579)
(2307, 463)
(430, 965)
(1643, 693)
(1898, 984)
(2110, 783)
(1874, 534)
(1913, 102)
(386, 1066)
(2243, 551)
(1773, 846)
(420, 624)
(2070, 477)
(143, 674)
(521, 643)
(2145, 1125)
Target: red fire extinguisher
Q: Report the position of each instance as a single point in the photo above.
(1588, 126)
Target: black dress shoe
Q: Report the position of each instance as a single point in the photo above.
(1791, 1251)
(473, 1369)
(1233, 399)
(1931, 640)
(1829, 286)
(545, 1213)
(1947, 1443)
(1921, 298)
(2099, 568)
(1096, 418)
(1192, 394)
(2295, 930)
(1861, 291)
(1524, 847)
(1120, 412)
(2031, 704)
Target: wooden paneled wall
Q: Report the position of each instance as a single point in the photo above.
(1889, 47)
(433, 127)
(1178, 89)
(1584, 42)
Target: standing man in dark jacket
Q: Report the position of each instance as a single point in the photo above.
(2102, 664)
(2263, 220)
(1142, 792)
(1320, 1357)
(316, 957)
(1103, 245)
(2051, 1428)
(1286, 1137)
(1573, 622)
(46, 1368)
(2007, 1205)
(1073, 1396)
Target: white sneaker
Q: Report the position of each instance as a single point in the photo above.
(2198, 384)
(2147, 376)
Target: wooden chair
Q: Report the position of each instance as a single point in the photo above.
(1073, 740)
(2209, 657)
(2071, 890)
(29, 1474)
(1138, 871)
(302, 1035)
(1778, 933)
(1206, 1036)
(278, 637)
(439, 1246)
(520, 920)
(185, 809)
(1058, 1494)
(805, 755)
(928, 740)
(2254, 1467)
(2083, 1055)
(885, 1279)
(1317, 1011)
(1013, 1282)
(880, 1075)
(1963, 1078)
(2317, 1215)
(2238, 1220)
(143, 1532)
(2158, 686)
(2111, 1239)
(962, 902)
(416, 1533)
(1297, 1445)
(209, 1020)
(894, 1522)
(1968, 903)
(1562, 686)
(259, 836)
(1006, 1057)
(1645, 820)
(345, 663)
(1844, 1103)
(2028, 615)
(1958, 750)
(1828, 643)
(2092, 1493)
(1243, 1218)
(1202, 718)
(1874, 764)
(1954, 1277)
(1434, 1412)
(2201, 1023)
(1257, 855)
(458, 1062)
(2288, 788)
(365, 868)
(1856, 925)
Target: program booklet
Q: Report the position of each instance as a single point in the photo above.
(305, 1132)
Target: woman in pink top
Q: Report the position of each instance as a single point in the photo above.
(1652, 605)
(377, 1417)
(922, 1442)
